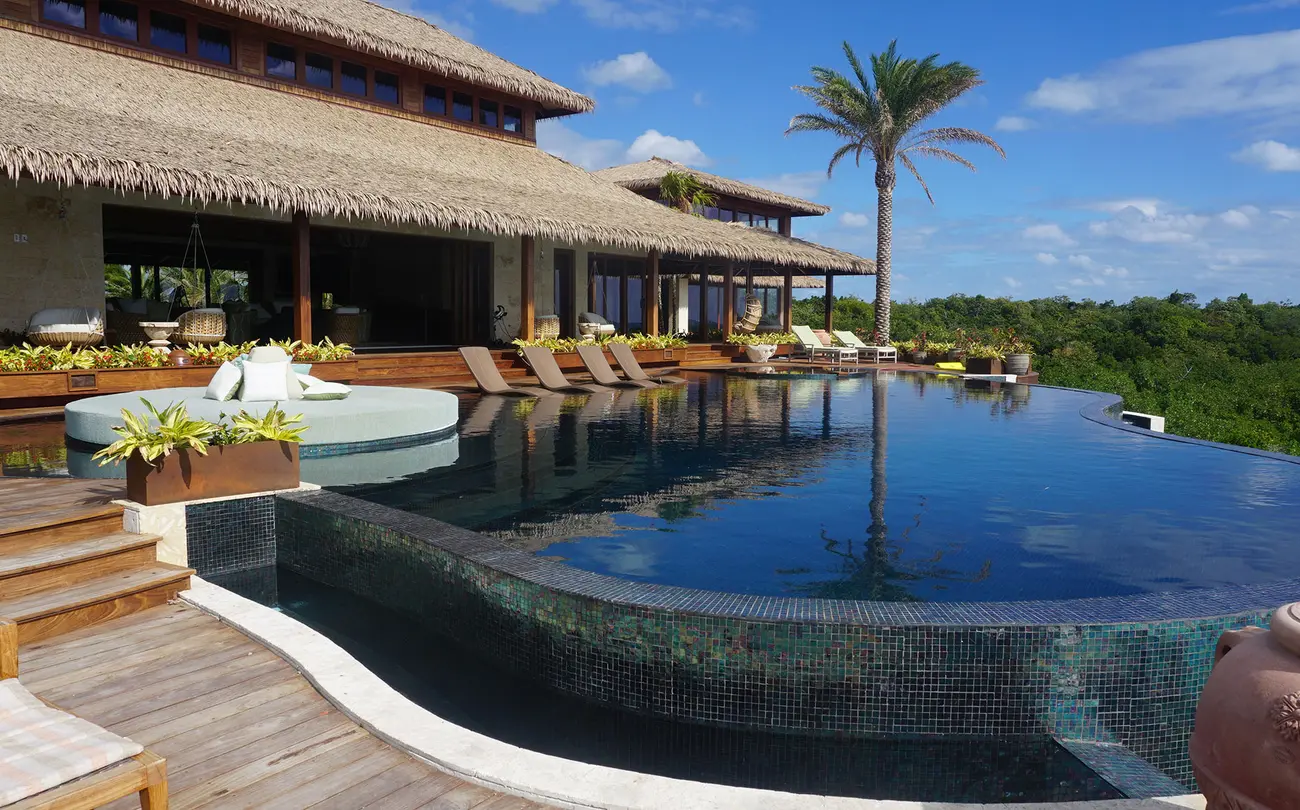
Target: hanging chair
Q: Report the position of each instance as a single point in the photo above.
(753, 314)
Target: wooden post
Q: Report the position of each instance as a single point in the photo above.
(830, 300)
(591, 283)
(749, 279)
(527, 291)
(704, 303)
(650, 288)
(301, 277)
(787, 314)
(728, 299)
(785, 225)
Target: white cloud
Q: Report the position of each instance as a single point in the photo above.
(589, 153)
(1285, 214)
(1013, 123)
(663, 15)
(850, 219)
(1146, 205)
(635, 71)
(1264, 5)
(1012, 282)
(1133, 225)
(652, 142)
(1273, 156)
(1048, 259)
(1048, 233)
(1080, 260)
(698, 99)
(797, 184)
(1239, 217)
(1086, 282)
(1256, 74)
(526, 6)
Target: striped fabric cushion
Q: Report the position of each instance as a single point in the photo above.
(42, 748)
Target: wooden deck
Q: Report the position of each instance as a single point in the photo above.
(239, 727)
(28, 503)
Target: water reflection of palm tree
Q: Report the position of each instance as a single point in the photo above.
(880, 573)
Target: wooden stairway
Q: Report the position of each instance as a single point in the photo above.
(66, 563)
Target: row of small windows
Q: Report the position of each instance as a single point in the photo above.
(752, 220)
(170, 32)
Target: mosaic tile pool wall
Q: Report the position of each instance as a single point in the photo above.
(1090, 670)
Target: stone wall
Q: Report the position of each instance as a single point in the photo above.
(51, 251)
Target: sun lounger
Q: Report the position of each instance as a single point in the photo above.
(627, 361)
(874, 353)
(53, 759)
(489, 378)
(812, 346)
(549, 375)
(593, 357)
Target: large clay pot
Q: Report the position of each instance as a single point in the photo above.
(1246, 746)
(1017, 364)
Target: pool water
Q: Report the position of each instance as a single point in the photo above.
(903, 488)
(475, 693)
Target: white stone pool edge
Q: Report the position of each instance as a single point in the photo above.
(387, 714)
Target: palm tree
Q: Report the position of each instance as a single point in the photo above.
(684, 192)
(881, 115)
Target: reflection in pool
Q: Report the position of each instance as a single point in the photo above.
(908, 488)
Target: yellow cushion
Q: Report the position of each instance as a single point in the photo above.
(950, 366)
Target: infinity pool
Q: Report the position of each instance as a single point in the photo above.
(908, 488)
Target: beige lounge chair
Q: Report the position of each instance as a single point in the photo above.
(57, 761)
(543, 364)
(874, 353)
(627, 361)
(489, 378)
(812, 346)
(593, 357)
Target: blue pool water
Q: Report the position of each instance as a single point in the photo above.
(910, 488)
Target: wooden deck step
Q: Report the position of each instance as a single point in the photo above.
(37, 534)
(61, 608)
(62, 564)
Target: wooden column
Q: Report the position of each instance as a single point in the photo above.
(301, 277)
(591, 284)
(704, 303)
(749, 279)
(527, 287)
(785, 225)
(728, 299)
(787, 308)
(650, 288)
(830, 300)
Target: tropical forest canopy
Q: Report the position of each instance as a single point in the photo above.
(1227, 371)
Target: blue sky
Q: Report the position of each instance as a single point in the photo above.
(1150, 145)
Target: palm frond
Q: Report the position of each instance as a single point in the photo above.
(957, 135)
(940, 154)
(911, 167)
(843, 152)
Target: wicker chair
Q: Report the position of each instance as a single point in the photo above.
(79, 326)
(201, 326)
(344, 325)
(753, 315)
(546, 327)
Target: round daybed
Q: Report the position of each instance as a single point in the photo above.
(371, 418)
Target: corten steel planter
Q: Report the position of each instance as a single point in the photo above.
(233, 469)
(1245, 750)
(983, 365)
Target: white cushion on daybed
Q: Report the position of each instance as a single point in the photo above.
(66, 319)
(265, 382)
(225, 383)
(326, 390)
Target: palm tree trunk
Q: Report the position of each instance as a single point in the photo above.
(884, 251)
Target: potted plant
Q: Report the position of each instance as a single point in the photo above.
(982, 358)
(920, 349)
(1017, 354)
(759, 348)
(960, 345)
(169, 462)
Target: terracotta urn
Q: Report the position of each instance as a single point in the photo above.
(1246, 746)
(179, 357)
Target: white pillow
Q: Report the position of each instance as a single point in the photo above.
(307, 381)
(291, 383)
(225, 383)
(265, 382)
(327, 390)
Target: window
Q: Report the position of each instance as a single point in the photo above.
(435, 99)
(385, 87)
(354, 79)
(759, 222)
(487, 113)
(66, 12)
(743, 217)
(726, 215)
(710, 212)
(214, 44)
(167, 31)
(462, 106)
(281, 61)
(320, 71)
(514, 119)
(118, 19)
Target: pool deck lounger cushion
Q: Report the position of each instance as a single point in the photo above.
(543, 364)
(593, 357)
(488, 376)
(370, 413)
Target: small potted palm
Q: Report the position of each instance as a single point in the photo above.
(172, 458)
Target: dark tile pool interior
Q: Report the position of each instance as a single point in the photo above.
(457, 684)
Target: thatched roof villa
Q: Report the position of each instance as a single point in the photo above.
(334, 151)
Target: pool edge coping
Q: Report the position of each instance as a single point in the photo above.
(383, 711)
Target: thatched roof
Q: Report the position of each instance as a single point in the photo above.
(370, 27)
(645, 176)
(78, 115)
